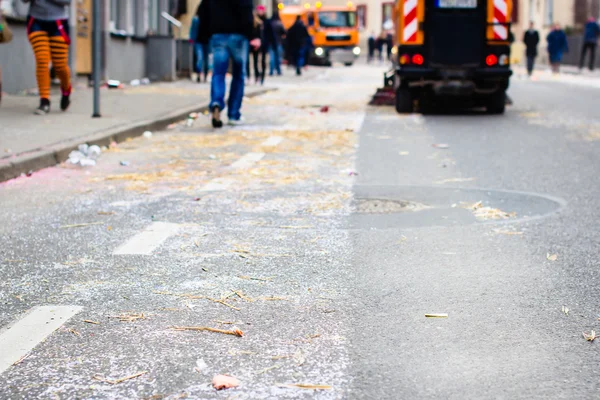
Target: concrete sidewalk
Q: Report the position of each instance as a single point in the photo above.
(29, 142)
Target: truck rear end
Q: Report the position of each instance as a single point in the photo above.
(452, 49)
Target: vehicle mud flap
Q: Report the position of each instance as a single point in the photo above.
(496, 104)
(404, 101)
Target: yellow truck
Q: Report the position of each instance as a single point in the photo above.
(333, 29)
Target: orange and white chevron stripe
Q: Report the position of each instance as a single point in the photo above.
(501, 16)
(410, 22)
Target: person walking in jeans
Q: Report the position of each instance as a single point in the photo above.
(201, 50)
(590, 42)
(276, 48)
(531, 40)
(230, 27)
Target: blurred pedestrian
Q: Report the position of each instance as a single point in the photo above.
(389, 41)
(371, 47)
(557, 45)
(230, 29)
(201, 49)
(258, 54)
(531, 40)
(48, 31)
(297, 39)
(267, 38)
(379, 45)
(276, 48)
(590, 42)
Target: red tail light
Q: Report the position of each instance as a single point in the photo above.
(417, 59)
(404, 59)
(491, 60)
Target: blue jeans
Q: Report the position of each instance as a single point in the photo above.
(202, 57)
(226, 47)
(275, 53)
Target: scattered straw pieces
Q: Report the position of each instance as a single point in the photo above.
(441, 315)
(485, 213)
(87, 321)
(509, 233)
(304, 386)
(552, 257)
(454, 180)
(74, 332)
(20, 360)
(263, 371)
(130, 317)
(234, 332)
(295, 227)
(220, 382)
(565, 310)
(251, 278)
(117, 381)
(590, 337)
(80, 225)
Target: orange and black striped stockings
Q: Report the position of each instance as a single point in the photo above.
(50, 48)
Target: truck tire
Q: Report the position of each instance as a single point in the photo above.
(497, 103)
(404, 101)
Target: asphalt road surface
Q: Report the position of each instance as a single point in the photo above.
(326, 238)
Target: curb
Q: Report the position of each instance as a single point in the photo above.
(36, 160)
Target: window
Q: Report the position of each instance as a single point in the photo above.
(337, 19)
(549, 12)
(387, 13)
(153, 16)
(361, 12)
(119, 16)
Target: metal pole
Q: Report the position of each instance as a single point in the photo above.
(96, 55)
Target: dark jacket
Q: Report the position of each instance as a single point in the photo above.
(297, 36)
(278, 30)
(557, 42)
(267, 37)
(531, 40)
(225, 16)
(591, 32)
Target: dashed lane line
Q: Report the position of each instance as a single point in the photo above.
(247, 160)
(144, 243)
(19, 339)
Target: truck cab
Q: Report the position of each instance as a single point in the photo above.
(333, 29)
(452, 49)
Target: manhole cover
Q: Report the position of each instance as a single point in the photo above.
(382, 206)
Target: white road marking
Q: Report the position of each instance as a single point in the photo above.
(20, 338)
(144, 243)
(272, 141)
(247, 160)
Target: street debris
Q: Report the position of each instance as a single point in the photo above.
(304, 386)
(105, 213)
(251, 278)
(404, 153)
(352, 173)
(442, 315)
(117, 381)
(74, 332)
(454, 180)
(85, 155)
(147, 134)
(565, 310)
(234, 331)
(510, 233)
(441, 146)
(114, 84)
(124, 163)
(20, 360)
(485, 213)
(262, 371)
(220, 382)
(200, 366)
(551, 257)
(295, 227)
(81, 225)
(590, 337)
(87, 321)
(324, 109)
(129, 317)
(197, 297)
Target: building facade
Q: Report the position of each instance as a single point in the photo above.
(137, 41)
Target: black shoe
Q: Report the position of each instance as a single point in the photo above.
(198, 79)
(216, 118)
(65, 100)
(44, 107)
